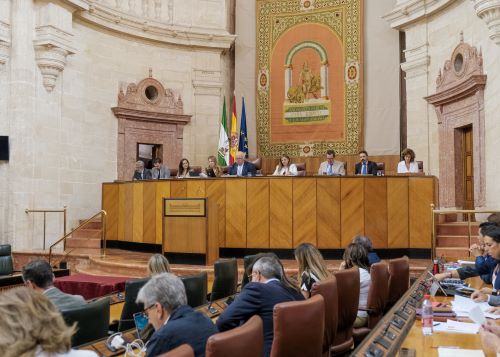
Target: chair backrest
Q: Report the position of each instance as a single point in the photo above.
(196, 288)
(92, 321)
(246, 340)
(182, 351)
(381, 168)
(328, 289)
(130, 307)
(348, 302)
(225, 278)
(257, 161)
(378, 293)
(6, 263)
(301, 169)
(420, 166)
(299, 328)
(399, 278)
(247, 261)
(196, 169)
(173, 171)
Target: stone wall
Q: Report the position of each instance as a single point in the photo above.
(57, 89)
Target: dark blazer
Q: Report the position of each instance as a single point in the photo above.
(371, 168)
(146, 175)
(373, 258)
(248, 167)
(185, 325)
(257, 299)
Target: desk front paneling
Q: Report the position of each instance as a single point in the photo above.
(279, 212)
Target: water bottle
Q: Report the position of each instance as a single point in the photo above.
(435, 267)
(427, 316)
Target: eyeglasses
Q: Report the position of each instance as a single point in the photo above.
(145, 311)
(250, 277)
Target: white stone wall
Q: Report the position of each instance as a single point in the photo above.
(440, 34)
(381, 75)
(64, 141)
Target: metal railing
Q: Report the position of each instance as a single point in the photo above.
(64, 211)
(103, 215)
(468, 212)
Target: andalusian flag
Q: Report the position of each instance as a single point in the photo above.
(223, 153)
(234, 135)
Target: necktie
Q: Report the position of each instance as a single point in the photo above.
(330, 169)
(363, 169)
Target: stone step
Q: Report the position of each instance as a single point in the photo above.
(74, 242)
(452, 252)
(88, 252)
(454, 241)
(457, 229)
(87, 233)
(92, 224)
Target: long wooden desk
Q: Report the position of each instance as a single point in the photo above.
(283, 212)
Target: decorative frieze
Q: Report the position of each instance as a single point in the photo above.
(417, 61)
(489, 11)
(410, 11)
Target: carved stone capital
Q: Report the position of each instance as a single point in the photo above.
(51, 61)
(410, 11)
(489, 12)
(417, 61)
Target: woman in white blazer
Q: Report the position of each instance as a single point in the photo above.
(285, 168)
(408, 164)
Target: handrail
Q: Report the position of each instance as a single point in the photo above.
(45, 211)
(103, 215)
(467, 211)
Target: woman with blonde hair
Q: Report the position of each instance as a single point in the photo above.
(32, 326)
(312, 267)
(213, 170)
(158, 264)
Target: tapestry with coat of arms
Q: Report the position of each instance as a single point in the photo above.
(309, 77)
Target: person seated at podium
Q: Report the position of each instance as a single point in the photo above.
(285, 167)
(331, 167)
(312, 267)
(38, 275)
(32, 326)
(184, 169)
(159, 171)
(158, 264)
(408, 164)
(258, 297)
(242, 167)
(356, 256)
(213, 170)
(140, 172)
(367, 243)
(174, 321)
(364, 166)
(484, 263)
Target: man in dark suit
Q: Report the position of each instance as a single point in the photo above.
(258, 298)
(38, 275)
(175, 323)
(140, 172)
(242, 167)
(365, 167)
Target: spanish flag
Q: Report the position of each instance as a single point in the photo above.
(234, 135)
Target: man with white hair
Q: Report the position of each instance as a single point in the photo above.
(267, 288)
(175, 323)
(140, 172)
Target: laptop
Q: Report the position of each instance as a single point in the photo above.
(193, 173)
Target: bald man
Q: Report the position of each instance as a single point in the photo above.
(242, 167)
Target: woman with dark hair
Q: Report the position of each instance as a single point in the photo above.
(285, 167)
(408, 164)
(312, 267)
(356, 256)
(184, 169)
(492, 246)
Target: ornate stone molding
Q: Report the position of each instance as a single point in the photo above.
(4, 43)
(489, 11)
(52, 46)
(411, 11)
(417, 61)
(151, 29)
(459, 103)
(207, 82)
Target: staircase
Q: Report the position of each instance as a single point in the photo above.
(452, 239)
(86, 240)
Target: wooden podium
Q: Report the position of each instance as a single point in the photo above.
(190, 230)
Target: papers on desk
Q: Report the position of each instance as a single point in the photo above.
(462, 306)
(457, 327)
(466, 262)
(458, 352)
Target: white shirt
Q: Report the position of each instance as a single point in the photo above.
(239, 172)
(292, 170)
(402, 169)
(365, 281)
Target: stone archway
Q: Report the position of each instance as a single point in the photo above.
(148, 113)
(459, 103)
